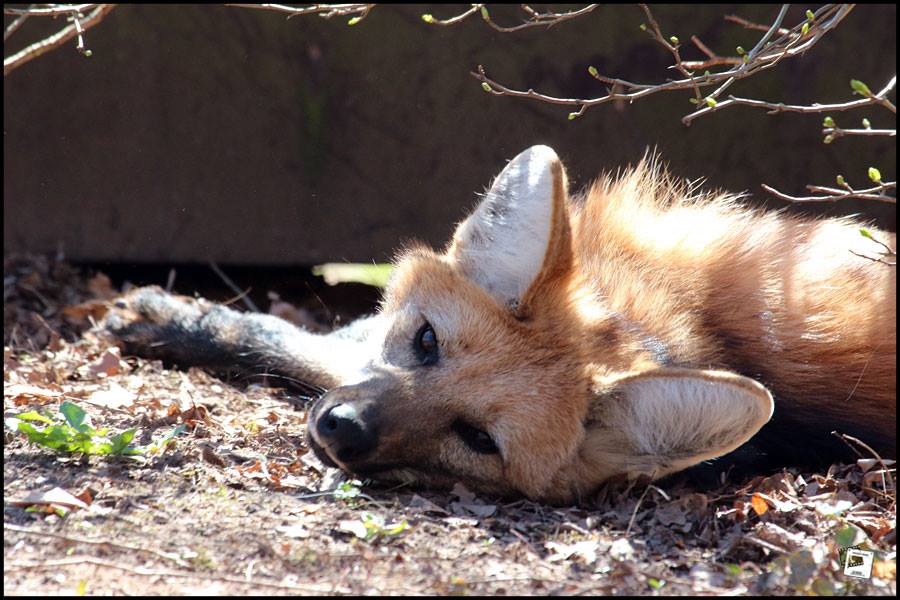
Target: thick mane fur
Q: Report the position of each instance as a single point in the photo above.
(781, 299)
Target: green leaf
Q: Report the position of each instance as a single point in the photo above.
(75, 416)
(840, 180)
(34, 416)
(121, 441)
(643, 27)
(354, 21)
(484, 13)
(741, 51)
(866, 123)
(428, 18)
(397, 528)
(810, 15)
(674, 40)
(805, 29)
(573, 116)
(828, 122)
(486, 87)
(711, 102)
(593, 71)
(860, 88)
(88, 53)
(849, 536)
(369, 274)
(874, 174)
(866, 233)
(655, 583)
(828, 139)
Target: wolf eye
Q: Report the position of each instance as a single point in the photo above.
(425, 345)
(476, 439)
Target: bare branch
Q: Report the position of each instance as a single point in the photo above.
(834, 194)
(14, 25)
(50, 10)
(836, 132)
(776, 107)
(657, 35)
(536, 19)
(750, 25)
(325, 11)
(714, 59)
(765, 54)
(77, 28)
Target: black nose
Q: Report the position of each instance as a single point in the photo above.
(344, 432)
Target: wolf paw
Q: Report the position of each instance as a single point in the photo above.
(148, 319)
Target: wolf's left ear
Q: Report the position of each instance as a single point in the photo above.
(519, 236)
(667, 419)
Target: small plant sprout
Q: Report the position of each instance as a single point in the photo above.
(860, 88)
(805, 29)
(485, 14)
(840, 181)
(828, 139)
(828, 122)
(674, 40)
(354, 21)
(874, 175)
(593, 71)
(810, 16)
(866, 233)
(866, 123)
(428, 18)
(711, 102)
(486, 87)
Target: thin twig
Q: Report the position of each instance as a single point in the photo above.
(777, 107)
(836, 132)
(834, 194)
(241, 294)
(844, 436)
(79, 540)
(157, 573)
(536, 19)
(326, 11)
(14, 25)
(656, 33)
(38, 48)
(750, 25)
(52, 10)
(714, 59)
(765, 54)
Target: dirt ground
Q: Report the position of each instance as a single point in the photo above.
(235, 504)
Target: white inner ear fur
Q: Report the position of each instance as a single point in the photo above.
(686, 416)
(502, 245)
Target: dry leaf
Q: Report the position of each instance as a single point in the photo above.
(52, 497)
(114, 397)
(759, 504)
(585, 550)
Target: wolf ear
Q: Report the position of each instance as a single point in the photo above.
(666, 420)
(518, 236)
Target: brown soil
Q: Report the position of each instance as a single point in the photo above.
(237, 505)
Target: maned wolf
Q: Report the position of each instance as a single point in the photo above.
(639, 329)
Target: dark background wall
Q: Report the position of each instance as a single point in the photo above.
(200, 133)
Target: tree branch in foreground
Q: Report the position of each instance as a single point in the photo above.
(535, 19)
(80, 23)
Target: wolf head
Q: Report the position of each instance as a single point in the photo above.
(497, 364)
